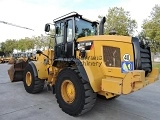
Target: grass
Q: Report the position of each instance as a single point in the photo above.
(156, 65)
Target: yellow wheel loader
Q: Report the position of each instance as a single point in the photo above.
(85, 63)
(1, 59)
(4, 59)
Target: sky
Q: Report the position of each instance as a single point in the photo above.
(34, 14)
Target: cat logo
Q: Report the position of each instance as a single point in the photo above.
(127, 66)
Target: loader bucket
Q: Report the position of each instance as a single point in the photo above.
(16, 71)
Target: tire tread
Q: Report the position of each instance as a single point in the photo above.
(89, 99)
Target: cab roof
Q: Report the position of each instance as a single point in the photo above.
(71, 14)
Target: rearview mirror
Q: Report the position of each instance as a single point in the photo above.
(47, 28)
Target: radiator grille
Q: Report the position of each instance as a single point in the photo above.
(111, 56)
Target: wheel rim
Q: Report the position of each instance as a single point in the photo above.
(28, 78)
(68, 91)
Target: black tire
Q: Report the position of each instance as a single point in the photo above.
(36, 85)
(85, 97)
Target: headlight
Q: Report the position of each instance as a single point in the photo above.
(85, 45)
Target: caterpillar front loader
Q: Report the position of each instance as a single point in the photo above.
(85, 63)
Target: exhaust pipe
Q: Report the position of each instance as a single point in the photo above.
(101, 26)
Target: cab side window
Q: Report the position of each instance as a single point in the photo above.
(59, 32)
(69, 30)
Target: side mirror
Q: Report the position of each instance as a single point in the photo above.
(47, 28)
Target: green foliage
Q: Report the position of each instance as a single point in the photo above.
(28, 43)
(44, 41)
(51, 39)
(142, 35)
(156, 65)
(37, 41)
(3, 46)
(151, 26)
(8, 46)
(120, 20)
(21, 45)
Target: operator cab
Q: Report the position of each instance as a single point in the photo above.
(68, 29)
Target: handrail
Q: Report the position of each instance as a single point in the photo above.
(66, 15)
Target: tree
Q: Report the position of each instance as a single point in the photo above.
(3, 46)
(37, 41)
(51, 39)
(120, 20)
(40, 41)
(45, 41)
(151, 26)
(8, 46)
(30, 43)
(22, 45)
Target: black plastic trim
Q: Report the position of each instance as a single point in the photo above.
(81, 70)
(34, 69)
(137, 56)
(79, 65)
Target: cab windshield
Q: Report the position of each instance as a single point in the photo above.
(85, 28)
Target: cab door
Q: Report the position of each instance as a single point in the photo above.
(64, 47)
(69, 38)
(59, 40)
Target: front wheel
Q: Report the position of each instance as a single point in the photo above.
(32, 84)
(74, 95)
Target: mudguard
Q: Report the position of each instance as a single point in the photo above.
(78, 64)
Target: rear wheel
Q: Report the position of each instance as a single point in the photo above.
(32, 84)
(74, 95)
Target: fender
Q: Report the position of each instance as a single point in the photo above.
(40, 69)
(78, 64)
(34, 69)
(81, 70)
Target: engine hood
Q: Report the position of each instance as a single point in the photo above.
(117, 38)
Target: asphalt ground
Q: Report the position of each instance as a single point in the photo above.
(17, 104)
